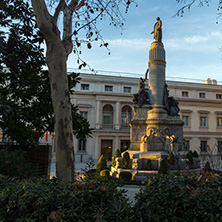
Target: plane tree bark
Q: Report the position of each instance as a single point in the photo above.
(58, 49)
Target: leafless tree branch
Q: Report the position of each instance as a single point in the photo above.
(75, 5)
(58, 10)
(185, 7)
(87, 24)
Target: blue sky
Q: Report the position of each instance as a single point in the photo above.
(192, 42)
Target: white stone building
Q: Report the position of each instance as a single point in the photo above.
(106, 101)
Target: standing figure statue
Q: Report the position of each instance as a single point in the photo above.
(157, 33)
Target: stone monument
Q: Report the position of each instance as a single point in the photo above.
(156, 116)
(156, 127)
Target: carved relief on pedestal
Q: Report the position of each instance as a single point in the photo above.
(158, 140)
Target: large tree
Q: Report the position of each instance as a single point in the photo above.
(25, 107)
(76, 15)
(25, 102)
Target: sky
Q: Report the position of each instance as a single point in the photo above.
(192, 42)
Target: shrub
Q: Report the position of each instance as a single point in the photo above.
(190, 157)
(125, 161)
(149, 165)
(207, 167)
(37, 200)
(90, 173)
(195, 154)
(179, 198)
(116, 154)
(102, 164)
(171, 159)
(14, 163)
(104, 173)
(124, 175)
(163, 168)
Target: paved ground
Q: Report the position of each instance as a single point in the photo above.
(131, 189)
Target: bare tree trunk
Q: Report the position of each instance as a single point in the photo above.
(56, 58)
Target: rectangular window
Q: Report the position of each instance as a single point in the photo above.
(186, 145)
(220, 146)
(84, 86)
(203, 146)
(126, 89)
(186, 120)
(184, 94)
(108, 88)
(82, 146)
(84, 114)
(203, 121)
(218, 96)
(219, 121)
(202, 95)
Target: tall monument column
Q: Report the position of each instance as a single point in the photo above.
(157, 66)
(156, 117)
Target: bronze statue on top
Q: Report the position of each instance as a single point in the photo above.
(157, 33)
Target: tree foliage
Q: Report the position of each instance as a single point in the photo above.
(25, 100)
(25, 94)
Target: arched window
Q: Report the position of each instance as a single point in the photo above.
(126, 116)
(107, 116)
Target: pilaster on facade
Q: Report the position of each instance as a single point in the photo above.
(117, 121)
(97, 143)
(98, 123)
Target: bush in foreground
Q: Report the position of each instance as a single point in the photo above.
(173, 198)
(180, 198)
(42, 200)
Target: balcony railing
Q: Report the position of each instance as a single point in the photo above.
(125, 127)
(107, 126)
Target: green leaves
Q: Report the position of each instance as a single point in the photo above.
(167, 198)
(40, 199)
(25, 98)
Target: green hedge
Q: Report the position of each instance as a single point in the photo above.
(180, 198)
(124, 175)
(36, 199)
(14, 163)
(173, 198)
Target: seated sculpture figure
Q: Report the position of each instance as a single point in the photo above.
(171, 105)
(142, 96)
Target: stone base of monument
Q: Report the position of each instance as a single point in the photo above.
(138, 164)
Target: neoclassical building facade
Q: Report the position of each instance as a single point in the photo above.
(106, 102)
